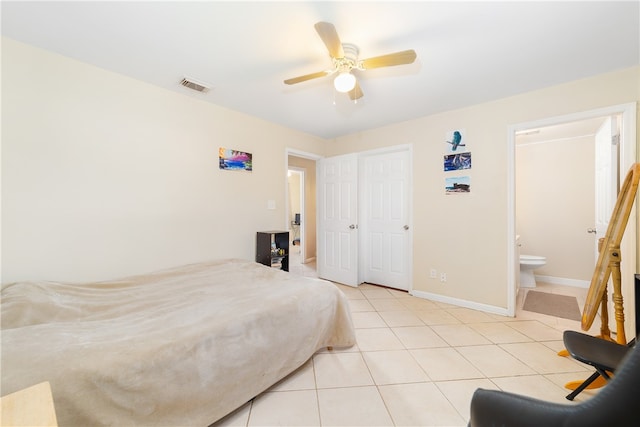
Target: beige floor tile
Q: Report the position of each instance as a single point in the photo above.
(397, 293)
(419, 304)
(499, 333)
(420, 404)
(536, 330)
(536, 386)
(302, 379)
(341, 370)
(374, 339)
(458, 335)
(400, 318)
(367, 319)
(542, 359)
(493, 361)
(459, 392)
(443, 364)
(353, 406)
(419, 337)
(437, 317)
(466, 315)
(387, 304)
(285, 408)
(394, 367)
(357, 305)
(376, 293)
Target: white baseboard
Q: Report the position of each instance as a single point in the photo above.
(461, 303)
(563, 281)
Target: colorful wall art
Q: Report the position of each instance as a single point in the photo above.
(234, 160)
(455, 162)
(456, 142)
(457, 184)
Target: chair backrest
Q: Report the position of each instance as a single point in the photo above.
(615, 404)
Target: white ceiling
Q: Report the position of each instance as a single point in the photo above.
(468, 52)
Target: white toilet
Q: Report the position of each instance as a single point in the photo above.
(528, 263)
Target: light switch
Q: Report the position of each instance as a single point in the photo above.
(271, 204)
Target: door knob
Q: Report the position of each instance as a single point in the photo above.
(406, 227)
(353, 226)
(592, 230)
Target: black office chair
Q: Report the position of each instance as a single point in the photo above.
(603, 355)
(613, 405)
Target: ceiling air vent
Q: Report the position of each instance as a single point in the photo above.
(192, 84)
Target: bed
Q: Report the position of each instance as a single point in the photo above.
(183, 346)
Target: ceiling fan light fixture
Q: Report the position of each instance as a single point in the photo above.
(345, 82)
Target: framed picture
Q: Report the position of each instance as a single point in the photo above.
(456, 141)
(455, 162)
(234, 160)
(457, 184)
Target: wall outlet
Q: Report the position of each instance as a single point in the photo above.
(443, 277)
(434, 273)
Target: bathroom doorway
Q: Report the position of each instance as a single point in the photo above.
(555, 192)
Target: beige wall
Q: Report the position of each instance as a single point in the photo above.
(555, 203)
(309, 221)
(466, 236)
(105, 176)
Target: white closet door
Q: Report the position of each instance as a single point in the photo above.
(385, 226)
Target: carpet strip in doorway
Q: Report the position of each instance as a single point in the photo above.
(552, 304)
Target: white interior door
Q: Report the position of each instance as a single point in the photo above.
(385, 229)
(606, 175)
(337, 257)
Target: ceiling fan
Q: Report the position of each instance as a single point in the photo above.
(345, 59)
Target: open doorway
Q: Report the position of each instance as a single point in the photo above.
(301, 211)
(568, 138)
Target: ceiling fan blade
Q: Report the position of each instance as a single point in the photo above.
(356, 92)
(306, 77)
(329, 36)
(398, 58)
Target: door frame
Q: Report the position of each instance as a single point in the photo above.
(627, 158)
(287, 218)
(302, 196)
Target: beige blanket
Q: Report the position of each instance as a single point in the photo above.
(180, 347)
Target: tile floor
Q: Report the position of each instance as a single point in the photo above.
(417, 363)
